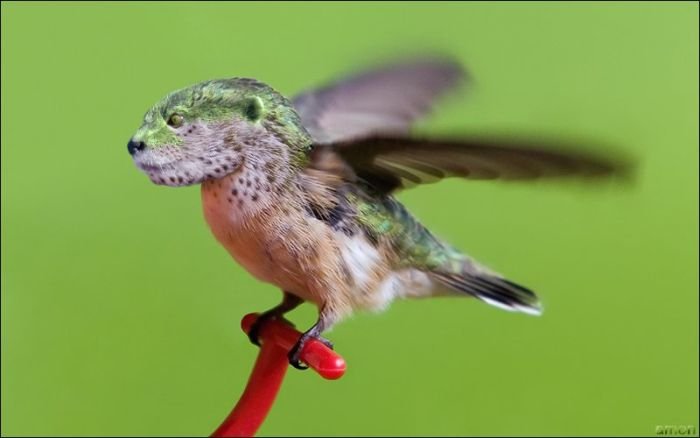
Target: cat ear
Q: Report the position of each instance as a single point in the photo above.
(253, 108)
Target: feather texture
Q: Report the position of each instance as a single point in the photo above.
(392, 163)
(382, 101)
(492, 290)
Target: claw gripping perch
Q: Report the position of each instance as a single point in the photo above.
(277, 339)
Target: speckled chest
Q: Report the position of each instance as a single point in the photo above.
(269, 234)
(244, 191)
(281, 240)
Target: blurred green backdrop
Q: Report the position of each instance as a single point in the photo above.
(120, 312)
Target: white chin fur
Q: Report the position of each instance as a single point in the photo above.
(172, 181)
(173, 176)
(183, 173)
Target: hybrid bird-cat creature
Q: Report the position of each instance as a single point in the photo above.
(301, 192)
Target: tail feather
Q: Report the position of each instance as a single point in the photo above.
(493, 290)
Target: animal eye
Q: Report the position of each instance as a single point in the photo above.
(176, 120)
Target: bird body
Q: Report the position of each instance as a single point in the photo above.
(301, 192)
(339, 262)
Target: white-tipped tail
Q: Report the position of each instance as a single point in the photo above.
(493, 290)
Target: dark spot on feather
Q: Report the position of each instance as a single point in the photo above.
(347, 274)
(254, 197)
(240, 203)
(372, 237)
(247, 183)
(333, 216)
(348, 231)
(207, 162)
(230, 201)
(234, 192)
(217, 170)
(179, 179)
(225, 166)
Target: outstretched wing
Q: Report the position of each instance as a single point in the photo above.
(383, 101)
(392, 163)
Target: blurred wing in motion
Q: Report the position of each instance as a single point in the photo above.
(383, 101)
(390, 164)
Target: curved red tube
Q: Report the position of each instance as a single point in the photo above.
(277, 338)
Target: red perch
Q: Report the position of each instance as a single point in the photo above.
(277, 338)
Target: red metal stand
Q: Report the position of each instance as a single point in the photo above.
(276, 338)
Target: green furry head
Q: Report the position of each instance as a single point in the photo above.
(205, 130)
(217, 101)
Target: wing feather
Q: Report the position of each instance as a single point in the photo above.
(393, 163)
(382, 101)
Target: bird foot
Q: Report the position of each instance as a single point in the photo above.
(254, 333)
(295, 352)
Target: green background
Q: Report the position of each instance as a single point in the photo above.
(120, 312)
